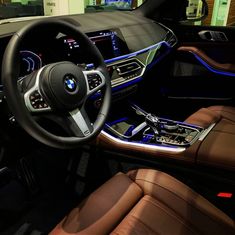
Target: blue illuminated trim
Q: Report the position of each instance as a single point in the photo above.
(213, 69)
(117, 121)
(129, 131)
(147, 138)
(149, 66)
(127, 56)
(133, 54)
(134, 81)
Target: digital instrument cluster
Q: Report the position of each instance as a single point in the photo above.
(110, 43)
(29, 62)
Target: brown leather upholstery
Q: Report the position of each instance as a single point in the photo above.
(210, 61)
(218, 148)
(145, 202)
(206, 116)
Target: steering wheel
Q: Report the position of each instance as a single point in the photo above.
(58, 89)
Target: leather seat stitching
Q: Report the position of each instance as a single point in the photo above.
(140, 221)
(188, 202)
(176, 216)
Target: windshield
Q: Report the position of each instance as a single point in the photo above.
(25, 8)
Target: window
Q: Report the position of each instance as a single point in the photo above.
(22, 8)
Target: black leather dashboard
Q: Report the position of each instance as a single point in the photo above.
(139, 32)
(144, 42)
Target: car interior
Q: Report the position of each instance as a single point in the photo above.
(117, 122)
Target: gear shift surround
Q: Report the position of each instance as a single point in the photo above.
(170, 132)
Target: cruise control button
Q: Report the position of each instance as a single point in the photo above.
(94, 80)
(37, 101)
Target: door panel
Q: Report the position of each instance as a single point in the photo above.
(202, 70)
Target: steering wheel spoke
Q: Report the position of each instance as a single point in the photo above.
(79, 123)
(95, 81)
(34, 100)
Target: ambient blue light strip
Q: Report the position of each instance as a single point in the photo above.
(132, 82)
(133, 54)
(224, 73)
(136, 53)
(117, 121)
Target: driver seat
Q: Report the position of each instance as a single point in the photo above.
(145, 202)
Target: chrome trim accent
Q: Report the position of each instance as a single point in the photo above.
(139, 128)
(156, 147)
(80, 121)
(31, 90)
(206, 132)
(214, 36)
(170, 31)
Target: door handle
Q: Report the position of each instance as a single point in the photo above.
(214, 36)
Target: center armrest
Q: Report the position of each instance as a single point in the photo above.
(217, 149)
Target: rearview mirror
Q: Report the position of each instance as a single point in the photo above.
(196, 10)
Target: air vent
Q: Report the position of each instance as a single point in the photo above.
(125, 71)
(127, 68)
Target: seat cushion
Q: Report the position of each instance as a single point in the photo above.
(145, 202)
(150, 216)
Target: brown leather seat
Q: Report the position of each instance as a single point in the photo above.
(145, 202)
(218, 148)
(204, 117)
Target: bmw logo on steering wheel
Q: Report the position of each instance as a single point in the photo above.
(70, 83)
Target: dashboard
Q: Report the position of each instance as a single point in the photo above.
(109, 43)
(129, 45)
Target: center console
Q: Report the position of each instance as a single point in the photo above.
(144, 128)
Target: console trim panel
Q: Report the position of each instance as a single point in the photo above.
(166, 149)
(206, 132)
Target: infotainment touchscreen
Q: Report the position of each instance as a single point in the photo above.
(109, 42)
